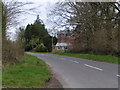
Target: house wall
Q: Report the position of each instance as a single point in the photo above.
(66, 37)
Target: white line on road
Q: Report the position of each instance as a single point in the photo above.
(93, 67)
(118, 75)
(74, 61)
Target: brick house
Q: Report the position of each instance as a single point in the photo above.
(65, 39)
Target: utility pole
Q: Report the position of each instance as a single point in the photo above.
(52, 41)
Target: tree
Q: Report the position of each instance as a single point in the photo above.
(96, 22)
(10, 12)
(37, 31)
(41, 48)
(12, 52)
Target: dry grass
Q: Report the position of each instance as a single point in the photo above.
(11, 52)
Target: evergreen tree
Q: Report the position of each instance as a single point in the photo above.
(36, 34)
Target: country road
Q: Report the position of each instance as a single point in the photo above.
(82, 73)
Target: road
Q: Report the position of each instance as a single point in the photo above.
(81, 73)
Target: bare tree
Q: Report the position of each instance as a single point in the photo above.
(12, 10)
(12, 52)
(96, 22)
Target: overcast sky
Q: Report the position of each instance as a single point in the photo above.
(43, 8)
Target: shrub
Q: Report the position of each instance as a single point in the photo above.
(40, 48)
(28, 47)
(58, 51)
(12, 52)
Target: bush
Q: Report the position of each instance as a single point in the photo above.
(12, 52)
(58, 51)
(40, 48)
(28, 47)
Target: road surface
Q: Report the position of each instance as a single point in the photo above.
(82, 73)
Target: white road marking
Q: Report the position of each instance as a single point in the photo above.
(118, 75)
(74, 61)
(93, 67)
(70, 60)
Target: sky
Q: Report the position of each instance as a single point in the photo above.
(42, 6)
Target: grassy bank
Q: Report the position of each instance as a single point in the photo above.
(33, 72)
(104, 58)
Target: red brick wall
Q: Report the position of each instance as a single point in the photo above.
(62, 38)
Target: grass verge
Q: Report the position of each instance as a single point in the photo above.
(104, 58)
(32, 73)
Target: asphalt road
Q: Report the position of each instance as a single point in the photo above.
(81, 73)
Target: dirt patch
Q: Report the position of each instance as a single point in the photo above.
(53, 83)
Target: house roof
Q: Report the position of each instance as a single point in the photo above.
(62, 44)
